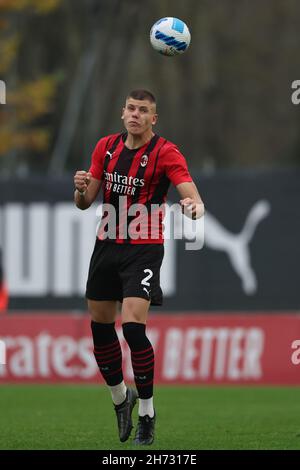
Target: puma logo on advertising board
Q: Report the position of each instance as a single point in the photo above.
(236, 246)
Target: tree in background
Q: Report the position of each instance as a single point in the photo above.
(226, 101)
(30, 91)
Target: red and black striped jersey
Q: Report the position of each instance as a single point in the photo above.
(135, 186)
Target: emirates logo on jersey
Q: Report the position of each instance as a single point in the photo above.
(144, 160)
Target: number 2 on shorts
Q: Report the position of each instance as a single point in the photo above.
(144, 281)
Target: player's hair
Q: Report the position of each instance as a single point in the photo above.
(142, 95)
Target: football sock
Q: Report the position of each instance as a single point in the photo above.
(107, 352)
(146, 407)
(142, 358)
(118, 393)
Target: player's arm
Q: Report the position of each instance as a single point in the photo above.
(191, 202)
(86, 189)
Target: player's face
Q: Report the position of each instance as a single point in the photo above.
(139, 116)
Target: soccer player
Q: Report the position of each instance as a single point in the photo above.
(134, 169)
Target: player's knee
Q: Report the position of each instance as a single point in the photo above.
(135, 310)
(101, 312)
(132, 317)
(98, 317)
(132, 331)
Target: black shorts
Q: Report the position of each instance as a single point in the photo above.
(121, 270)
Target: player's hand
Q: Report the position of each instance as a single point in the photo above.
(191, 208)
(81, 180)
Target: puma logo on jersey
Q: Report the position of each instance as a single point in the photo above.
(109, 154)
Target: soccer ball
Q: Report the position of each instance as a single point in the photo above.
(170, 36)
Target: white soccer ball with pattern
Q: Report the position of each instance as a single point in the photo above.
(170, 36)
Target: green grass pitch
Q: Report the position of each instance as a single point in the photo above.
(188, 417)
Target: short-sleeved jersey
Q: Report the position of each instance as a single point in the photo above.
(135, 186)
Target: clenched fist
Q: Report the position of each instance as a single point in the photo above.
(81, 180)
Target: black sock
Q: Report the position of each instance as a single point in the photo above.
(142, 357)
(107, 352)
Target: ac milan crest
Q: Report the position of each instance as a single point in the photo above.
(144, 160)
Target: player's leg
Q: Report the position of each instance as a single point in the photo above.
(140, 274)
(134, 316)
(103, 291)
(107, 349)
(108, 354)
